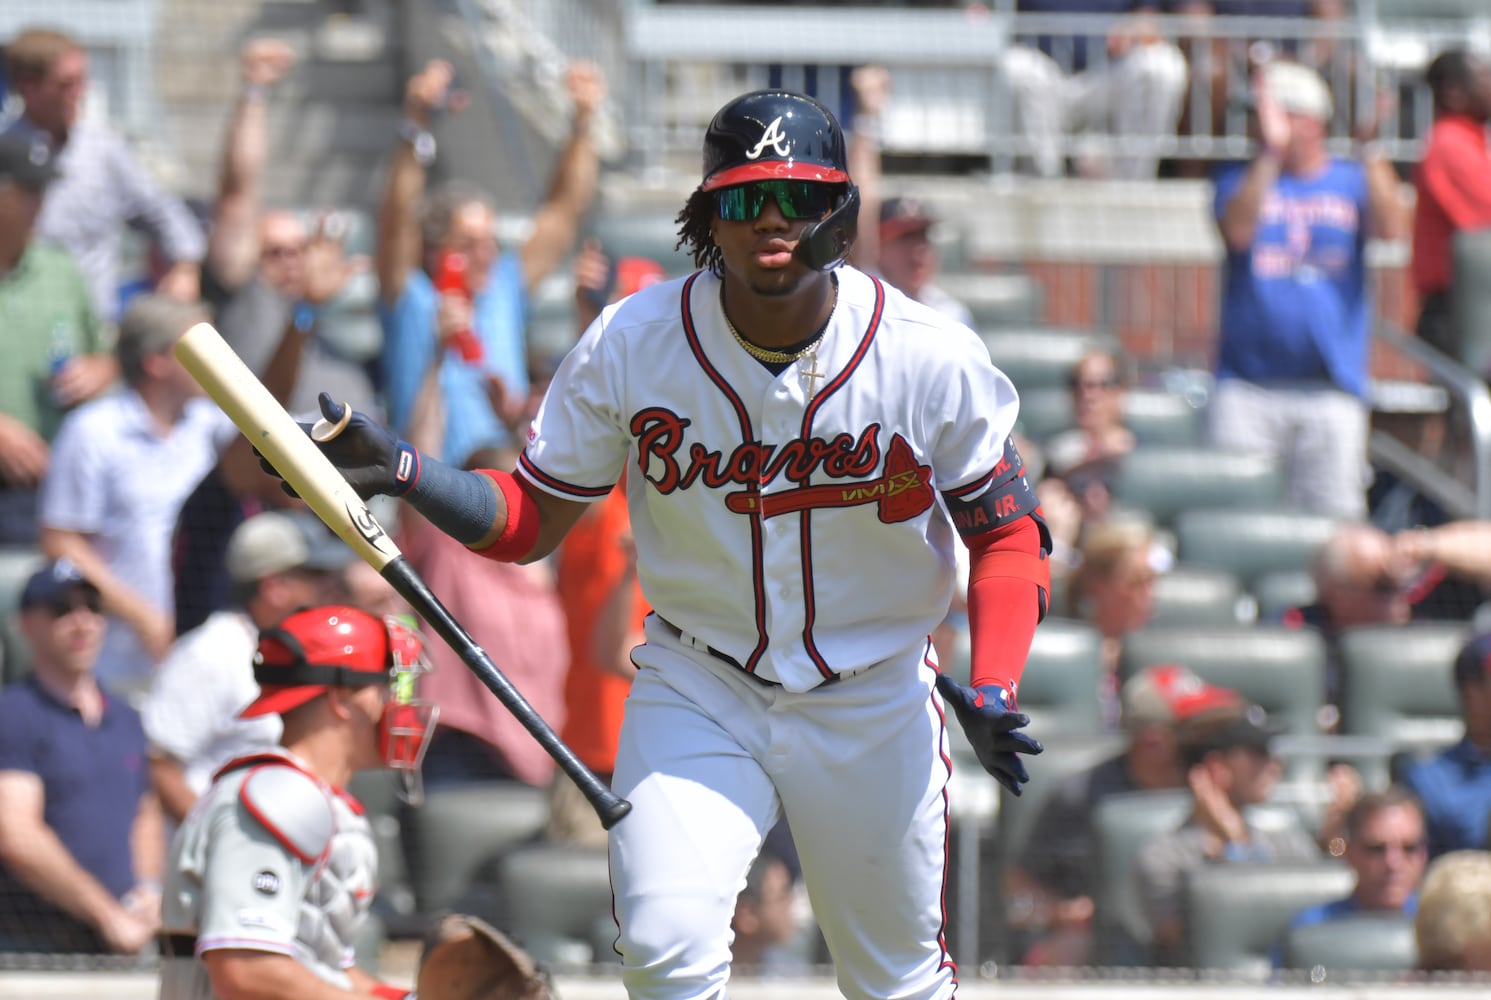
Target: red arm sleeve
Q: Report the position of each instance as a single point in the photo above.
(1009, 584)
(1458, 181)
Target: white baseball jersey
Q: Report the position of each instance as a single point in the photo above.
(191, 712)
(792, 522)
(270, 859)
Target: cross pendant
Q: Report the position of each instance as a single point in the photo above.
(810, 373)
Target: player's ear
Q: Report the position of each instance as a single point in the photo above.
(339, 702)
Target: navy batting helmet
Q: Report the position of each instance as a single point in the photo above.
(779, 135)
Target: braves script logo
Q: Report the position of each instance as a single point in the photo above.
(902, 491)
(774, 138)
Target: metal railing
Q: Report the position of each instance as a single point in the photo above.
(951, 92)
(1461, 481)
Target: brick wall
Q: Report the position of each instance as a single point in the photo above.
(1167, 312)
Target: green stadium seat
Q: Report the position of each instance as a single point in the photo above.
(1059, 689)
(1360, 943)
(462, 828)
(1121, 825)
(395, 904)
(1044, 412)
(1277, 593)
(1280, 668)
(996, 300)
(1041, 357)
(1472, 297)
(1397, 683)
(1193, 595)
(1236, 914)
(1251, 543)
(1160, 418)
(651, 235)
(1166, 481)
(17, 563)
(558, 903)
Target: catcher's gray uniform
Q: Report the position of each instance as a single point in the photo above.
(270, 859)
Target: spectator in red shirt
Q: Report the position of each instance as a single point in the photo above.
(1453, 183)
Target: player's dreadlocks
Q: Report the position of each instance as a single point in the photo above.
(694, 232)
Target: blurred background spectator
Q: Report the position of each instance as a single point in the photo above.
(278, 563)
(53, 355)
(1453, 926)
(1386, 849)
(121, 468)
(1050, 887)
(1113, 587)
(1453, 183)
(80, 833)
(449, 296)
(1455, 785)
(1229, 768)
(1292, 364)
(102, 186)
(1130, 83)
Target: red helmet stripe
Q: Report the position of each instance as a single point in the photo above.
(799, 170)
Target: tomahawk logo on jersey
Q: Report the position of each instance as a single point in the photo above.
(756, 480)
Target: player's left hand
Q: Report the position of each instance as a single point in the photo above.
(992, 725)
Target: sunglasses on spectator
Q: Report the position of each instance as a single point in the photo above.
(1379, 850)
(276, 251)
(795, 199)
(67, 604)
(1078, 384)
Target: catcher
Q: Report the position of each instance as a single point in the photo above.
(271, 874)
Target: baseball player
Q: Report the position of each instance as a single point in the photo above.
(803, 443)
(271, 874)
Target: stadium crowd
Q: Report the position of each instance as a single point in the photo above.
(163, 550)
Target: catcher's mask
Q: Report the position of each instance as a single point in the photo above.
(777, 136)
(339, 646)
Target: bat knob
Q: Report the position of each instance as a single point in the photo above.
(612, 812)
(324, 430)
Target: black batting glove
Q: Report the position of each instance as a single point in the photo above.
(367, 454)
(992, 725)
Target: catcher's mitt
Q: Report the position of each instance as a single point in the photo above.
(468, 959)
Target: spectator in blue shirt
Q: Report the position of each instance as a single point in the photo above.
(80, 833)
(1386, 848)
(1292, 361)
(1455, 786)
(1125, 82)
(449, 299)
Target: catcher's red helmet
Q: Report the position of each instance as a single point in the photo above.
(317, 648)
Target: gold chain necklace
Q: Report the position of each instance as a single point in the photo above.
(765, 354)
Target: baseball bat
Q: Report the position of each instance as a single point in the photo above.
(271, 430)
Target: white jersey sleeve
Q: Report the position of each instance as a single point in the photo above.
(579, 440)
(969, 421)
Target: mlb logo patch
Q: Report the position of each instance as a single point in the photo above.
(266, 883)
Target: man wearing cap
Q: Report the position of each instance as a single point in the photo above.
(102, 185)
(1296, 314)
(1229, 767)
(80, 835)
(121, 468)
(278, 563)
(271, 875)
(52, 356)
(1455, 785)
(1055, 875)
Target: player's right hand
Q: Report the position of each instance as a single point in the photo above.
(367, 454)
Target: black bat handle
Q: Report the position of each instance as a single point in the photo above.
(609, 806)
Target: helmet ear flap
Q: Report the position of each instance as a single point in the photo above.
(824, 244)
